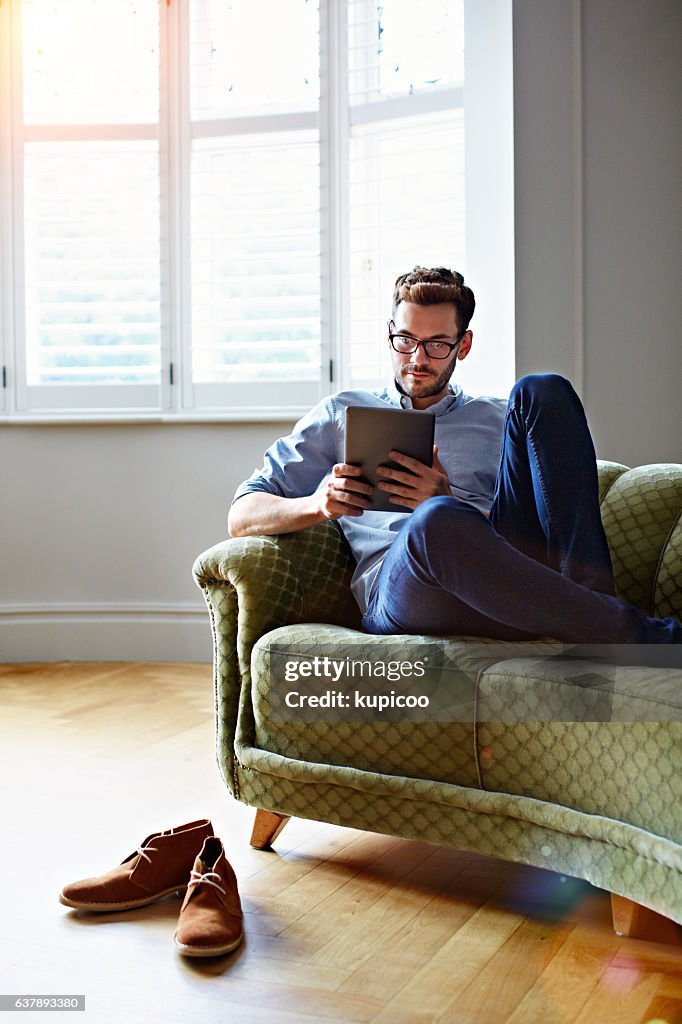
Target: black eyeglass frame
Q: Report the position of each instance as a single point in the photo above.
(418, 341)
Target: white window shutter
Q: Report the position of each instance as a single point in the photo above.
(91, 212)
(406, 166)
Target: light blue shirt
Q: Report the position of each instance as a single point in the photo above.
(468, 432)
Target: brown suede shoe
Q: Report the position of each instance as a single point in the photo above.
(210, 922)
(159, 866)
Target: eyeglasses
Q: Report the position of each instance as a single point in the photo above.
(406, 345)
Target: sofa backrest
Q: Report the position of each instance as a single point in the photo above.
(641, 510)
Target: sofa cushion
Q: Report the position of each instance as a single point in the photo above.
(437, 750)
(568, 687)
(437, 744)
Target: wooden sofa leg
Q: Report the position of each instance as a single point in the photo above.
(266, 827)
(638, 922)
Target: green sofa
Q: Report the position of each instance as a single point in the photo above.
(589, 794)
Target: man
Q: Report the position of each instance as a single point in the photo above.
(505, 539)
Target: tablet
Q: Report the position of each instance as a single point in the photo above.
(372, 433)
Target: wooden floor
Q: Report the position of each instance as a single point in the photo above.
(340, 925)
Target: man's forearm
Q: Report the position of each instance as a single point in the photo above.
(260, 512)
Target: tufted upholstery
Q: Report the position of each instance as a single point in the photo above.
(593, 791)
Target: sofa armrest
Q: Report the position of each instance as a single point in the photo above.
(252, 585)
(608, 473)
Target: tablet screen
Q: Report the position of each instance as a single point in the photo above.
(372, 433)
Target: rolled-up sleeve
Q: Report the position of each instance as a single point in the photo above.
(295, 465)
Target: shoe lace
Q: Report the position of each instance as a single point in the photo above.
(208, 877)
(142, 850)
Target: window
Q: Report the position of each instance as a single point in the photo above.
(204, 205)
(406, 157)
(86, 199)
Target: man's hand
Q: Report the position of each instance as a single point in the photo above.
(416, 482)
(344, 494)
(262, 513)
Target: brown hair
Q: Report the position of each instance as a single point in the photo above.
(431, 286)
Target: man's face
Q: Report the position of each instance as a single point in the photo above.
(423, 379)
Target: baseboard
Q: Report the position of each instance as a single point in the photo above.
(99, 632)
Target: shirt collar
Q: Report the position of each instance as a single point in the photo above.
(446, 403)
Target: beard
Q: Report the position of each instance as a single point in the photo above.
(427, 387)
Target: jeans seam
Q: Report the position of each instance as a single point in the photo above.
(562, 545)
(503, 445)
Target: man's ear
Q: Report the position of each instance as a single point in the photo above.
(465, 347)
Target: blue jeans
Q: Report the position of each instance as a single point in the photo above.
(539, 566)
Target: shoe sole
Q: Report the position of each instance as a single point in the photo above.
(208, 950)
(104, 908)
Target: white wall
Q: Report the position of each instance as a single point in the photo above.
(633, 156)
(100, 524)
(597, 159)
(100, 527)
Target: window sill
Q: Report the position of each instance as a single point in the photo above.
(139, 418)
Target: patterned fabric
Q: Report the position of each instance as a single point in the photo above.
(594, 799)
(251, 586)
(667, 591)
(640, 512)
(577, 689)
(438, 750)
(420, 749)
(608, 853)
(627, 771)
(608, 474)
